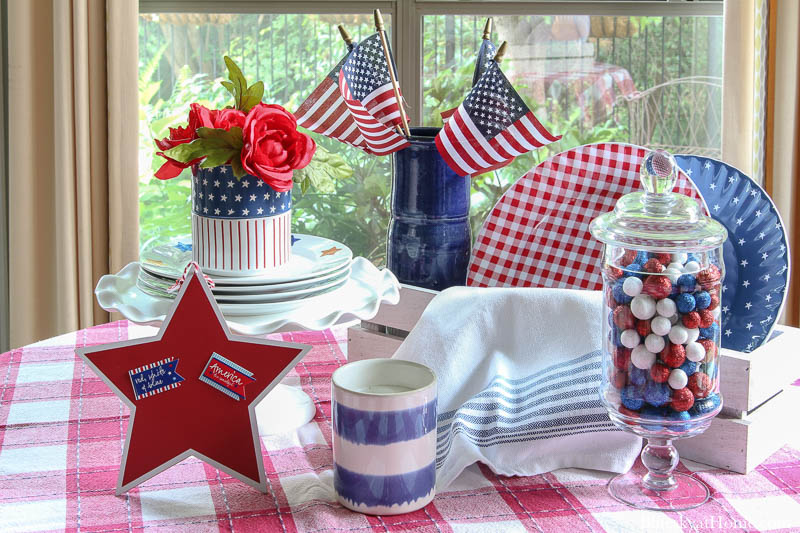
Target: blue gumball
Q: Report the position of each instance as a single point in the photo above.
(632, 398)
(641, 257)
(687, 282)
(710, 332)
(702, 299)
(656, 394)
(637, 376)
(685, 302)
(705, 405)
(634, 270)
(615, 337)
(692, 257)
(678, 416)
(653, 413)
(690, 367)
(619, 295)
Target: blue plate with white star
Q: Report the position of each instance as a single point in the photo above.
(756, 255)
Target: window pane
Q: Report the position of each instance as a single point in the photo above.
(180, 61)
(587, 78)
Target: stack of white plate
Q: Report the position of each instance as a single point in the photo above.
(317, 266)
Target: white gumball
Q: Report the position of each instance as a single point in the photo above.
(643, 307)
(654, 343)
(632, 286)
(692, 267)
(680, 257)
(629, 338)
(694, 334)
(666, 307)
(678, 334)
(678, 379)
(673, 274)
(642, 358)
(695, 352)
(660, 325)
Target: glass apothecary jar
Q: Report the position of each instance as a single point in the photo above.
(662, 280)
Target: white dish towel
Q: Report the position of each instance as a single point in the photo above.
(518, 374)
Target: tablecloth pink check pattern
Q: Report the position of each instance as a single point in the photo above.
(61, 436)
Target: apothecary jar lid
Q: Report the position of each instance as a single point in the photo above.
(657, 219)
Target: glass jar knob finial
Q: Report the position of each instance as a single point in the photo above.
(659, 172)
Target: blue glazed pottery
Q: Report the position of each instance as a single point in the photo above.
(429, 233)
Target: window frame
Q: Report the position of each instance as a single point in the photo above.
(407, 19)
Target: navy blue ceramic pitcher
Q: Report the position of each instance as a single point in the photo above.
(429, 233)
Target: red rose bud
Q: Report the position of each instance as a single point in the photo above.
(714, 302)
(171, 168)
(228, 118)
(628, 257)
(673, 355)
(654, 266)
(658, 287)
(619, 379)
(659, 373)
(273, 147)
(664, 258)
(706, 318)
(699, 384)
(623, 317)
(691, 320)
(643, 327)
(682, 399)
(709, 277)
(622, 357)
(711, 349)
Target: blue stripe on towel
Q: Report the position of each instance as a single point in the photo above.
(362, 489)
(383, 427)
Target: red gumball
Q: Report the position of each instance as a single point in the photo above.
(706, 318)
(654, 266)
(699, 384)
(622, 357)
(709, 277)
(682, 399)
(610, 301)
(643, 327)
(628, 257)
(614, 273)
(628, 412)
(623, 317)
(714, 302)
(619, 379)
(664, 258)
(659, 373)
(691, 320)
(659, 287)
(673, 355)
(711, 349)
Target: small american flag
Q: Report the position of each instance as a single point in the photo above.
(485, 54)
(325, 112)
(367, 90)
(490, 128)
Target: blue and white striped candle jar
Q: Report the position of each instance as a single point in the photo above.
(384, 435)
(239, 227)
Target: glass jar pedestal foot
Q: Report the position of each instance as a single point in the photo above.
(661, 488)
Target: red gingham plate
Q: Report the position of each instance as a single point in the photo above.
(538, 233)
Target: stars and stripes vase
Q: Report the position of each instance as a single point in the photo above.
(240, 227)
(429, 233)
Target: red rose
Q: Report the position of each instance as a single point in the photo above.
(200, 117)
(228, 118)
(177, 136)
(273, 147)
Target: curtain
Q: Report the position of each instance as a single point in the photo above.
(72, 159)
(782, 161)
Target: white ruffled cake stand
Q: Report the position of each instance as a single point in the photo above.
(285, 407)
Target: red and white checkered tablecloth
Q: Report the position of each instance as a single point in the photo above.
(62, 430)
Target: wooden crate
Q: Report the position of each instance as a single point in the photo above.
(747, 431)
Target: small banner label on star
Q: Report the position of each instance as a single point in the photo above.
(154, 378)
(226, 376)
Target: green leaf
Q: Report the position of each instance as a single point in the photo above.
(228, 85)
(253, 96)
(237, 80)
(186, 152)
(219, 156)
(238, 169)
(232, 138)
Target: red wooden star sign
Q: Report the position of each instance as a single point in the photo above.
(192, 390)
